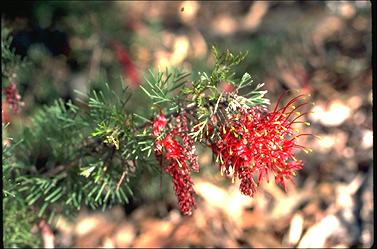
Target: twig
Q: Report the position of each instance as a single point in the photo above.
(121, 179)
(60, 168)
(217, 104)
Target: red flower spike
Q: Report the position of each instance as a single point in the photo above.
(179, 158)
(183, 186)
(255, 142)
(158, 125)
(188, 142)
(177, 167)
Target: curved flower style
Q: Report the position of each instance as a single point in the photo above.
(257, 142)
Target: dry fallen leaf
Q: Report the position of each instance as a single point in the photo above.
(257, 239)
(124, 235)
(255, 15)
(334, 115)
(295, 229)
(231, 202)
(316, 236)
(188, 11)
(154, 233)
(90, 229)
(224, 25)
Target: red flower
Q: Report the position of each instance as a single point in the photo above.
(226, 87)
(250, 145)
(178, 169)
(128, 66)
(179, 158)
(13, 98)
(256, 142)
(159, 125)
(188, 142)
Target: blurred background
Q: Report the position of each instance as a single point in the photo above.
(319, 48)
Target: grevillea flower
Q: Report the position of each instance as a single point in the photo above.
(128, 66)
(13, 98)
(188, 142)
(158, 125)
(179, 158)
(178, 169)
(255, 142)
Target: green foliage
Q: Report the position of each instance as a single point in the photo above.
(161, 86)
(18, 217)
(8, 165)
(57, 130)
(10, 63)
(221, 72)
(78, 149)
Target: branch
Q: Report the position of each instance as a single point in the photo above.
(63, 167)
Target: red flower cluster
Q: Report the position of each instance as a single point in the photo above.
(128, 66)
(255, 141)
(250, 145)
(178, 157)
(13, 97)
